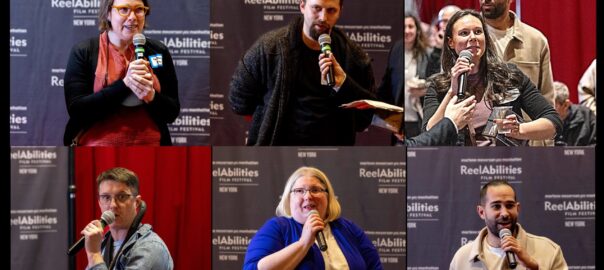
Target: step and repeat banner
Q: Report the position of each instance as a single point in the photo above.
(42, 34)
(38, 208)
(236, 25)
(247, 183)
(555, 188)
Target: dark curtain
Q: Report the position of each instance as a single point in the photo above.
(175, 182)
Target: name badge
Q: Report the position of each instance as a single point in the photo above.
(156, 61)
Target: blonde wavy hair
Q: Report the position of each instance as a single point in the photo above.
(333, 206)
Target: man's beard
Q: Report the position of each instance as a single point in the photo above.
(492, 226)
(495, 12)
(314, 33)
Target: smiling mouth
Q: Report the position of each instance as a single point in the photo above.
(309, 207)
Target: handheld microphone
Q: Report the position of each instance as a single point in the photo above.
(320, 236)
(107, 218)
(139, 41)
(325, 42)
(463, 78)
(509, 254)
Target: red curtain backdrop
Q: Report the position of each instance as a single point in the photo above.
(570, 27)
(175, 182)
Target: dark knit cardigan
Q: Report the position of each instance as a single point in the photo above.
(265, 77)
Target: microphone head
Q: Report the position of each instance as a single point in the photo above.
(467, 54)
(324, 39)
(504, 232)
(107, 218)
(139, 39)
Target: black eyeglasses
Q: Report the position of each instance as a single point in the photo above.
(121, 198)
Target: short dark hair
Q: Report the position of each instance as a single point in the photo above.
(494, 183)
(120, 175)
(106, 6)
(341, 2)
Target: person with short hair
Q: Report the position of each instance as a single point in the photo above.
(282, 82)
(579, 122)
(499, 209)
(127, 245)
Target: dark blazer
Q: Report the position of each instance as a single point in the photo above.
(579, 127)
(86, 107)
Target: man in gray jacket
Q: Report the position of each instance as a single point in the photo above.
(280, 81)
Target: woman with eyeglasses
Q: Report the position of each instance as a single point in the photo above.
(308, 205)
(114, 98)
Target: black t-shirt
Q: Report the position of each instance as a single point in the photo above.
(313, 117)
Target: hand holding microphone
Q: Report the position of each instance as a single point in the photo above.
(459, 73)
(507, 241)
(138, 76)
(515, 253)
(330, 68)
(94, 231)
(313, 229)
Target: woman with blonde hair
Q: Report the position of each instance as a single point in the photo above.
(309, 205)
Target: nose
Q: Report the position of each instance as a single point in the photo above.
(113, 202)
(504, 213)
(131, 15)
(322, 15)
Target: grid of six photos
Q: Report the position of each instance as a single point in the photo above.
(281, 134)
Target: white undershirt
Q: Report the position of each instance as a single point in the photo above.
(494, 257)
(501, 38)
(116, 246)
(333, 256)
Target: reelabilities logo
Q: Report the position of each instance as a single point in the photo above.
(33, 220)
(231, 240)
(422, 207)
(570, 206)
(235, 172)
(490, 170)
(187, 42)
(389, 242)
(271, 2)
(188, 120)
(75, 3)
(364, 37)
(386, 173)
(33, 154)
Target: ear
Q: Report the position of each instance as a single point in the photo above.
(480, 211)
(302, 5)
(518, 207)
(450, 43)
(138, 201)
(567, 103)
